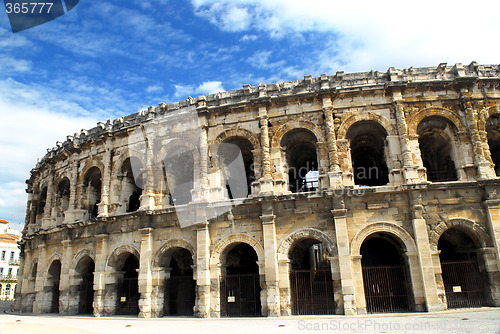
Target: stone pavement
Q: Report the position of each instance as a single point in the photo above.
(476, 321)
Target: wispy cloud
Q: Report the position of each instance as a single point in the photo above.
(207, 87)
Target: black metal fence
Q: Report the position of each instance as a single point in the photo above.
(387, 289)
(240, 295)
(312, 292)
(128, 296)
(180, 295)
(465, 285)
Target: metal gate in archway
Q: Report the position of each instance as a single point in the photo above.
(128, 296)
(240, 295)
(387, 289)
(180, 295)
(465, 285)
(86, 294)
(312, 292)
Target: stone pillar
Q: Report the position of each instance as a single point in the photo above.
(492, 210)
(38, 304)
(145, 273)
(202, 305)
(69, 214)
(344, 257)
(23, 288)
(66, 302)
(266, 181)
(148, 193)
(272, 308)
(160, 275)
(47, 211)
(410, 169)
(484, 168)
(106, 182)
(334, 174)
(425, 261)
(100, 273)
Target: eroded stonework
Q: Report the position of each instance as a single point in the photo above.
(343, 176)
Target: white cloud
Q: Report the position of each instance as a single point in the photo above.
(206, 88)
(373, 34)
(33, 119)
(246, 38)
(154, 88)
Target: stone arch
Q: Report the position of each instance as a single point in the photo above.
(449, 115)
(365, 116)
(173, 243)
(222, 245)
(382, 227)
(478, 233)
(306, 233)
(54, 257)
(119, 160)
(99, 165)
(114, 256)
(193, 148)
(294, 125)
(484, 116)
(81, 254)
(235, 132)
(58, 178)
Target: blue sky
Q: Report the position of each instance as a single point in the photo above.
(105, 59)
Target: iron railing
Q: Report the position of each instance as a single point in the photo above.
(240, 295)
(312, 292)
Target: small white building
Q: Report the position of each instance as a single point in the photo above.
(9, 260)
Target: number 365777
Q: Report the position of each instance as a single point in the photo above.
(28, 7)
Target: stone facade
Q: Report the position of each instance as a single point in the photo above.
(337, 168)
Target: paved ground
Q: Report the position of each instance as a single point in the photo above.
(477, 321)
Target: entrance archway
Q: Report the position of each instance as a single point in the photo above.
(54, 279)
(464, 276)
(386, 276)
(180, 287)
(127, 287)
(240, 282)
(85, 274)
(311, 283)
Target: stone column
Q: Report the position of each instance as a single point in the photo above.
(266, 181)
(202, 305)
(492, 210)
(38, 304)
(148, 193)
(47, 211)
(66, 302)
(410, 170)
(344, 258)
(271, 265)
(106, 182)
(425, 261)
(69, 214)
(334, 173)
(100, 273)
(22, 288)
(145, 273)
(484, 168)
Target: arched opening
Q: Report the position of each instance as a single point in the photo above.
(368, 145)
(179, 170)
(128, 284)
(302, 160)
(180, 287)
(92, 192)
(40, 207)
(435, 136)
(464, 275)
(493, 130)
(85, 288)
(131, 183)
(52, 287)
(240, 282)
(62, 199)
(236, 163)
(386, 276)
(311, 284)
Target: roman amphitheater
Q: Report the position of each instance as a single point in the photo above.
(342, 194)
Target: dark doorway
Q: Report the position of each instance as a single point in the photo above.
(464, 276)
(240, 285)
(385, 276)
(54, 281)
(128, 287)
(236, 159)
(85, 269)
(493, 130)
(311, 284)
(179, 171)
(180, 288)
